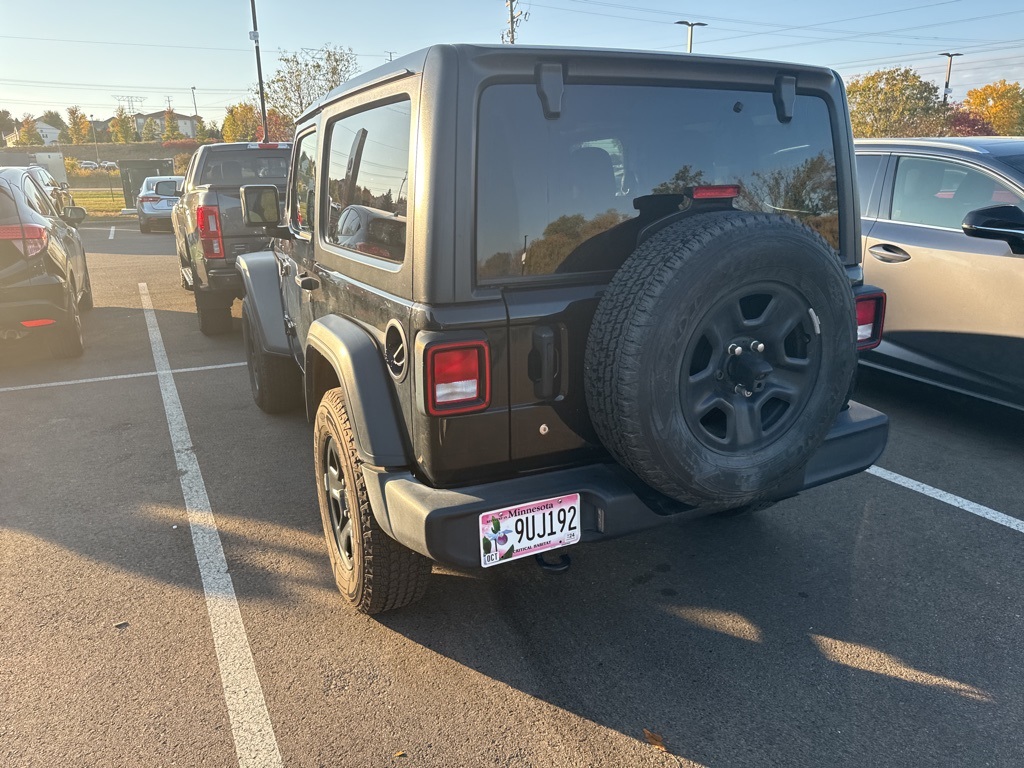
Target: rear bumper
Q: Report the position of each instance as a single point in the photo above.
(444, 524)
(41, 298)
(222, 278)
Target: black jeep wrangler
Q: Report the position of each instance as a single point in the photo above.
(538, 296)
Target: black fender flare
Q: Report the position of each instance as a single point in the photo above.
(358, 364)
(262, 282)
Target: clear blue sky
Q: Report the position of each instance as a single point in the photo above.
(86, 54)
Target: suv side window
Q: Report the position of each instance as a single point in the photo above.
(38, 199)
(304, 185)
(867, 170)
(938, 193)
(368, 181)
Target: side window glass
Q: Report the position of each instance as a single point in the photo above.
(867, 169)
(940, 194)
(303, 210)
(38, 199)
(368, 181)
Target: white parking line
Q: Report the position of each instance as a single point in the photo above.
(112, 228)
(255, 744)
(949, 498)
(47, 384)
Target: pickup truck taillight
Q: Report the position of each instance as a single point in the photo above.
(30, 239)
(208, 222)
(870, 316)
(458, 377)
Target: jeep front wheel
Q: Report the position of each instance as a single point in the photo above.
(373, 572)
(720, 355)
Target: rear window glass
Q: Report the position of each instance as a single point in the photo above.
(8, 208)
(556, 196)
(245, 166)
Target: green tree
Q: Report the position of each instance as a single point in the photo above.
(1001, 104)
(304, 77)
(122, 127)
(895, 103)
(241, 122)
(28, 134)
(202, 132)
(150, 130)
(213, 132)
(78, 126)
(7, 124)
(52, 117)
(171, 130)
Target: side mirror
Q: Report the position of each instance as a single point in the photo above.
(997, 222)
(74, 215)
(167, 189)
(261, 205)
(64, 185)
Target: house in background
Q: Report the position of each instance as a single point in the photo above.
(47, 131)
(186, 123)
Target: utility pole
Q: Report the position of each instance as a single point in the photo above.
(689, 32)
(255, 37)
(949, 71)
(195, 115)
(515, 18)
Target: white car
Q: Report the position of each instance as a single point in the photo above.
(87, 165)
(108, 165)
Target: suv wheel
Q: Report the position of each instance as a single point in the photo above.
(373, 572)
(214, 316)
(275, 381)
(67, 339)
(720, 356)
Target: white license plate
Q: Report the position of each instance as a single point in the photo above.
(529, 529)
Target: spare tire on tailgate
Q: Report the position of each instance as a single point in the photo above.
(720, 355)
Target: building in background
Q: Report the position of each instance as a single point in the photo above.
(186, 123)
(48, 132)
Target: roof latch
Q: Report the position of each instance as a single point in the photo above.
(784, 97)
(550, 87)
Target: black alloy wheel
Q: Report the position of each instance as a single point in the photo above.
(337, 500)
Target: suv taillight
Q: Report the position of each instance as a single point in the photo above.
(458, 377)
(208, 222)
(149, 199)
(30, 239)
(870, 316)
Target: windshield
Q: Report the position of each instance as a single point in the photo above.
(246, 166)
(557, 196)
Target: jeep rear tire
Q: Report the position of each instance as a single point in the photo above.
(720, 355)
(276, 381)
(373, 572)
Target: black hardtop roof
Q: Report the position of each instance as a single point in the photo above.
(414, 62)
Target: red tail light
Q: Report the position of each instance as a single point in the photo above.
(30, 239)
(37, 323)
(149, 199)
(870, 317)
(458, 378)
(208, 222)
(716, 191)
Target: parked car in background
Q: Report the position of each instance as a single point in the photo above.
(369, 230)
(208, 229)
(108, 165)
(87, 165)
(44, 277)
(58, 191)
(943, 234)
(156, 200)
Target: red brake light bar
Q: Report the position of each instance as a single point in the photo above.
(716, 191)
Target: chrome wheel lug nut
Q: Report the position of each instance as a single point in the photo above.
(757, 346)
(735, 349)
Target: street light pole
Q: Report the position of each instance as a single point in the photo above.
(95, 141)
(949, 71)
(255, 37)
(195, 113)
(689, 32)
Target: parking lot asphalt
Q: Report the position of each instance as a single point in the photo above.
(862, 623)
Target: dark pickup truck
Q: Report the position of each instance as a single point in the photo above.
(207, 221)
(533, 297)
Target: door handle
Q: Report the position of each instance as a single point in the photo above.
(890, 254)
(307, 282)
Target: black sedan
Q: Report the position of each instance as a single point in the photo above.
(943, 235)
(44, 278)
